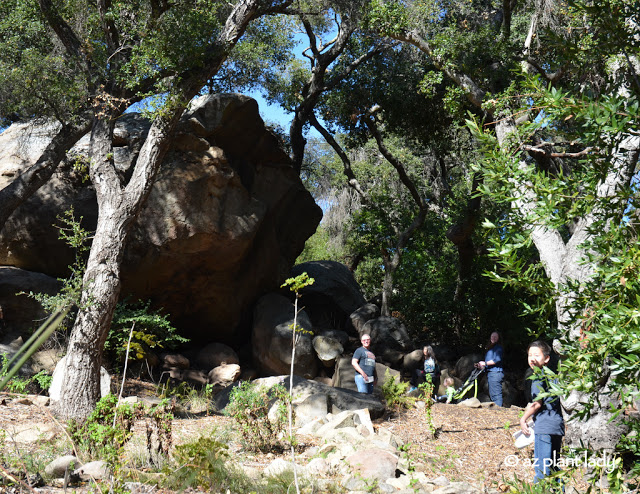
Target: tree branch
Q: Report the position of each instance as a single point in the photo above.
(338, 78)
(369, 121)
(346, 162)
(64, 32)
(418, 220)
(474, 93)
(545, 149)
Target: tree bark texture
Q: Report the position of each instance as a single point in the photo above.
(564, 261)
(119, 205)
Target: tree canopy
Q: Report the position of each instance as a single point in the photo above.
(478, 160)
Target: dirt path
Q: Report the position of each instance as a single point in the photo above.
(472, 444)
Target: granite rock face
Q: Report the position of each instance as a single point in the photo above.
(224, 223)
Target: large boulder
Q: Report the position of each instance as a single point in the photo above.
(413, 360)
(466, 364)
(389, 340)
(334, 295)
(327, 349)
(272, 323)
(362, 315)
(215, 354)
(19, 312)
(224, 221)
(331, 400)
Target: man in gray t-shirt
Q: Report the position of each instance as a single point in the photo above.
(364, 362)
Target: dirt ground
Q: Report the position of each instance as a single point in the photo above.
(472, 444)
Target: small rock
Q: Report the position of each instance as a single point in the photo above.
(97, 470)
(224, 374)
(23, 401)
(384, 487)
(319, 467)
(58, 467)
(471, 403)
(175, 360)
(41, 401)
(373, 463)
(312, 427)
(441, 481)
(33, 433)
(458, 488)
(278, 466)
(355, 484)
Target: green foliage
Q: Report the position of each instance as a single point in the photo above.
(609, 349)
(203, 464)
(389, 18)
(429, 83)
(588, 120)
(249, 406)
(319, 247)
(40, 381)
(35, 76)
(98, 437)
(11, 367)
(606, 304)
(298, 283)
(282, 483)
(260, 58)
(75, 236)
(394, 392)
(151, 329)
(427, 393)
(196, 399)
(521, 486)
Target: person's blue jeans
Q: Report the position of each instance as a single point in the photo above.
(546, 451)
(362, 386)
(495, 378)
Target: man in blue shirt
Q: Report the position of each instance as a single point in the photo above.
(492, 363)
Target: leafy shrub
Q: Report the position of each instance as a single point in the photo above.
(549, 484)
(202, 464)
(283, 482)
(38, 382)
(98, 437)
(152, 329)
(395, 392)
(249, 406)
(43, 379)
(195, 398)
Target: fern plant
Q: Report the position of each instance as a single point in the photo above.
(395, 392)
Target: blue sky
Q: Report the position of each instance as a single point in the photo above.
(271, 113)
